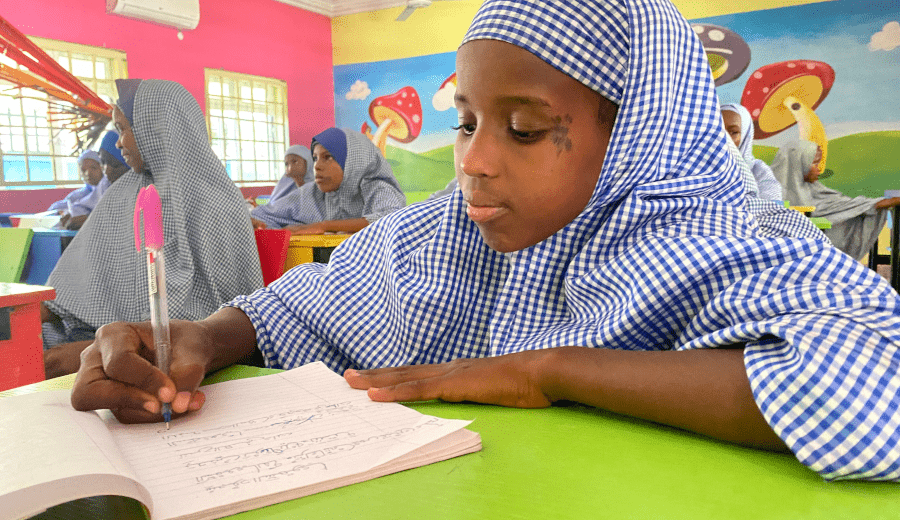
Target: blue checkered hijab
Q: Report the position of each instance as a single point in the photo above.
(664, 257)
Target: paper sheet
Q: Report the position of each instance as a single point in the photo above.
(260, 436)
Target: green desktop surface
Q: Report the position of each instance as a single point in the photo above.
(570, 462)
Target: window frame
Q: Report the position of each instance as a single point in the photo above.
(227, 139)
(63, 162)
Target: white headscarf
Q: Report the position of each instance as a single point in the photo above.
(665, 256)
(768, 186)
(285, 184)
(210, 248)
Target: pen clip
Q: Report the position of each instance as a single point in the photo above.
(148, 210)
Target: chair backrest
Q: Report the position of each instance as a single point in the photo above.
(14, 246)
(272, 245)
(46, 248)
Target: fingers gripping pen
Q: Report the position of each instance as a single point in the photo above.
(148, 210)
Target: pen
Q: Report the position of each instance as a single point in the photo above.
(148, 210)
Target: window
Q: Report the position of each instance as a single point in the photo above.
(36, 151)
(248, 128)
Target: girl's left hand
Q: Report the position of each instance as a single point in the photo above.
(512, 380)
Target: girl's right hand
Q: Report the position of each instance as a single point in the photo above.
(117, 372)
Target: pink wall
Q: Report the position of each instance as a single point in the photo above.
(260, 37)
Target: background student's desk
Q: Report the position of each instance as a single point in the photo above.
(21, 348)
(571, 462)
(312, 248)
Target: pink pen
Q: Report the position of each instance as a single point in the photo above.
(148, 210)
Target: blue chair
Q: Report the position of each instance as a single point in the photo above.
(46, 247)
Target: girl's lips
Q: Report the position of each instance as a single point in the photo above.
(482, 213)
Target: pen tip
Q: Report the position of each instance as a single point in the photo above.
(167, 426)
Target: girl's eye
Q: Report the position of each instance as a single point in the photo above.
(467, 129)
(527, 136)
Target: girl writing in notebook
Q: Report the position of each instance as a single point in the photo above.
(598, 250)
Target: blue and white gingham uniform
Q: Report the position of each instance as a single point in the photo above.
(665, 256)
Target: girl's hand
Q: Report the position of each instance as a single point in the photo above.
(118, 372)
(512, 380)
(307, 229)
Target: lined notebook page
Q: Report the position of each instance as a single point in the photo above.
(261, 436)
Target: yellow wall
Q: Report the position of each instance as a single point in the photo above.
(438, 28)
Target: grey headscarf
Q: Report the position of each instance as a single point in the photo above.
(856, 222)
(369, 188)
(210, 248)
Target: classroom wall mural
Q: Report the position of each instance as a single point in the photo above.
(406, 107)
(827, 72)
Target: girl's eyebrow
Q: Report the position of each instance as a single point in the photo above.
(517, 100)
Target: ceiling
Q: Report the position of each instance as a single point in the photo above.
(332, 8)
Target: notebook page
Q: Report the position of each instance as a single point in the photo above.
(262, 436)
(50, 453)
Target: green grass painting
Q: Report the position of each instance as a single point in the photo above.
(863, 164)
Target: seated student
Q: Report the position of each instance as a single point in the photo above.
(111, 159)
(855, 222)
(209, 248)
(739, 126)
(597, 250)
(298, 170)
(354, 186)
(75, 208)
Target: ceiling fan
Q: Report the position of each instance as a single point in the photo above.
(412, 5)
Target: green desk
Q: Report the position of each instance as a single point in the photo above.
(571, 462)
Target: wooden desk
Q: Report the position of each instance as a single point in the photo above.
(21, 346)
(569, 462)
(312, 248)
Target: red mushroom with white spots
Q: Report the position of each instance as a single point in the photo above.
(398, 116)
(781, 94)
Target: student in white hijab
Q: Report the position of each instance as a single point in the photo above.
(855, 222)
(77, 205)
(298, 170)
(739, 126)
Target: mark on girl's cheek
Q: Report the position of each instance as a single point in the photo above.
(560, 134)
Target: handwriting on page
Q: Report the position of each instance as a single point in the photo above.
(270, 434)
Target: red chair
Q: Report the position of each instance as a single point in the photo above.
(272, 245)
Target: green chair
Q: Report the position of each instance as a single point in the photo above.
(14, 246)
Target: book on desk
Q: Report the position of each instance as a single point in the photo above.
(256, 442)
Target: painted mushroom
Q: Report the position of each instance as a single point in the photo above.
(728, 54)
(398, 115)
(781, 94)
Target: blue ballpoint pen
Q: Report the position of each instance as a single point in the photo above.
(148, 209)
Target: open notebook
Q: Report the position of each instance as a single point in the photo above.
(256, 442)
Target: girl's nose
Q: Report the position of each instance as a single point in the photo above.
(479, 155)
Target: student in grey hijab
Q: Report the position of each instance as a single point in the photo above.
(298, 170)
(855, 222)
(354, 186)
(210, 248)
